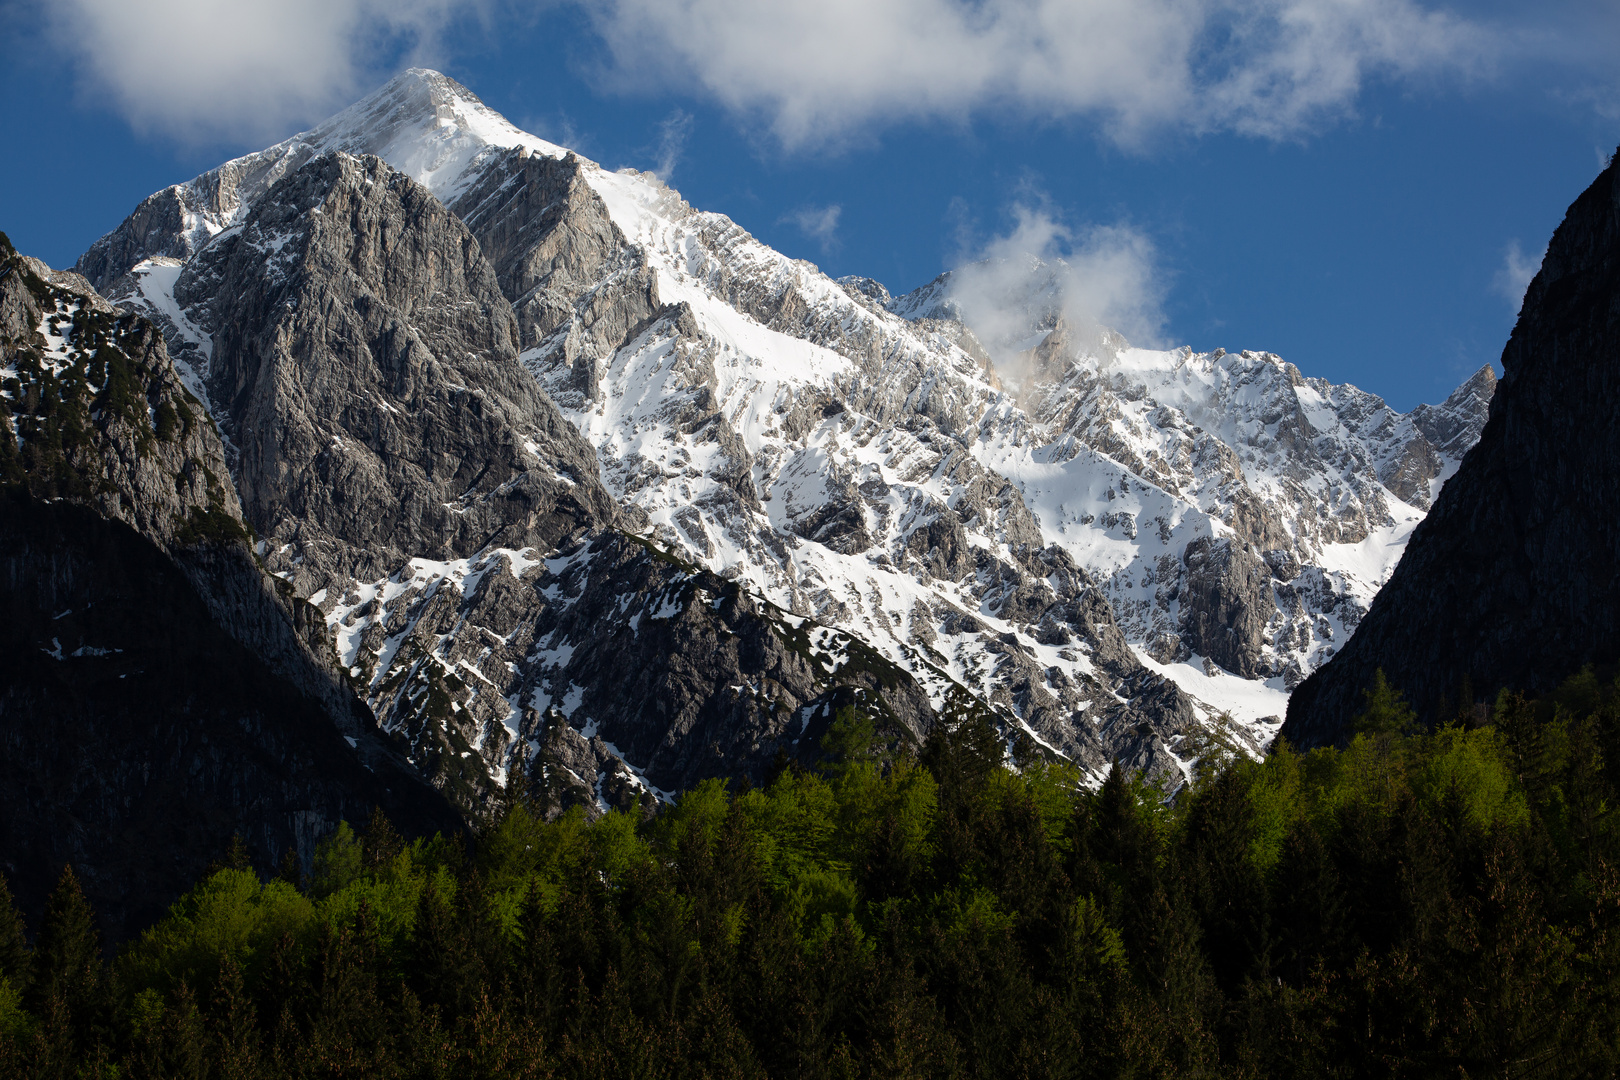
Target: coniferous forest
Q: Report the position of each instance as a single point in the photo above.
(1440, 903)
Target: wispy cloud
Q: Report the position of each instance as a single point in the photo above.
(1516, 273)
(819, 223)
(205, 69)
(823, 72)
(558, 128)
(1096, 277)
(673, 132)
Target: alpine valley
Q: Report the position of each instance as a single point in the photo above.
(435, 422)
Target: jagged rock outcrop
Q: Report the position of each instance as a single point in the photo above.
(1510, 580)
(1162, 451)
(559, 258)
(100, 418)
(703, 679)
(158, 692)
(1455, 425)
(368, 364)
(1226, 601)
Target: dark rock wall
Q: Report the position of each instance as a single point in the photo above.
(158, 691)
(137, 735)
(693, 677)
(1510, 581)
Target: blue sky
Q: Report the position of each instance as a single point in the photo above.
(1357, 185)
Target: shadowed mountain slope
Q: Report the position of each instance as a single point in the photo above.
(159, 692)
(1510, 581)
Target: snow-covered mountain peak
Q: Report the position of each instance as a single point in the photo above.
(421, 122)
(424, 124)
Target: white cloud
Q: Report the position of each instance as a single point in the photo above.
(1516, 273)
(819, 223)
(200, 69)
(819, 71)
(1096, 278)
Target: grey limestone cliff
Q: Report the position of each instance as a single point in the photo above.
(366, 363)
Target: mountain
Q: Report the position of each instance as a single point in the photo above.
(1274, 505)
(564, 461)
(1509, 582)
(159, 692)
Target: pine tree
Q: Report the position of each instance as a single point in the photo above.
(14, 955)
(236, 1034)
(442, 963)
(68, 986)
(291, 869)
(284, 995)
(1225, 888)
(382, 843)
(347, 1029)
(56, 1050)
(236, 856)
(185, 1040)
(1308, 903)
(1387, 712)
(519, 790)
(67, 955)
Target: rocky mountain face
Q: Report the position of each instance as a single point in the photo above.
(565, 462)
(1234, 510)
(160, 691)
(1510, 580)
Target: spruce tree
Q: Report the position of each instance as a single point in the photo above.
(1387, 712)
(1308, 902)
(68, 985)
(1224, 886)
(185, 1040)
(291, 869)
(233, 1020)
(14, 954)
(236, 856)
(442, 961)
(381, 844)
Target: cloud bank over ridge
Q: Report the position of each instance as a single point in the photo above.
(818, 71)
(1101, 277)
(814, 73)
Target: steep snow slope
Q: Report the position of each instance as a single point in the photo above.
(856, 460)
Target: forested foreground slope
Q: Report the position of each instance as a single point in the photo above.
(1411, 905)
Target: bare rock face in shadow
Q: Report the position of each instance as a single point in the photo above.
(1510, 582)
(159, 692)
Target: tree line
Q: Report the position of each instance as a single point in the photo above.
(1417, 903)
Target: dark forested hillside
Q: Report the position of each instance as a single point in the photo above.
(1439, 904)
